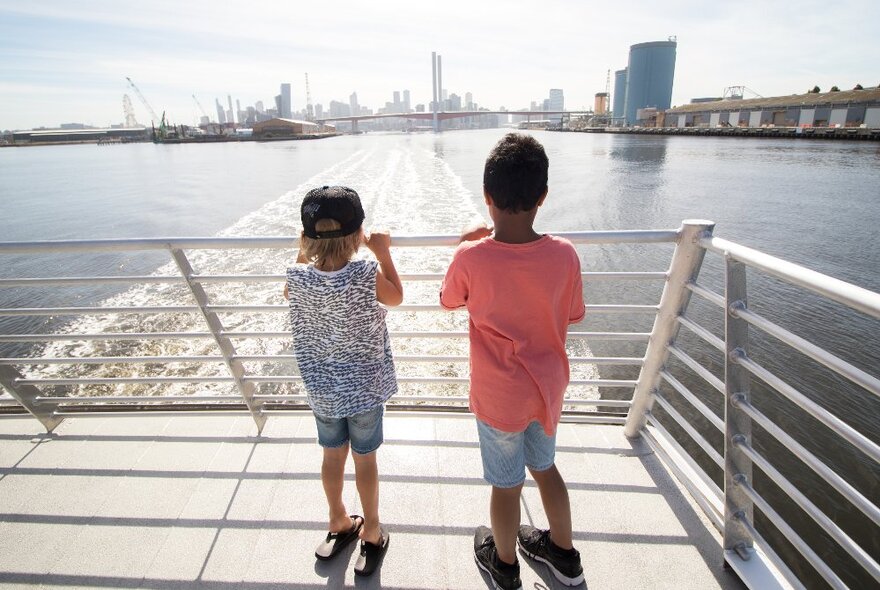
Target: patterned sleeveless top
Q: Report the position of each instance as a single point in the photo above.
(340, 338)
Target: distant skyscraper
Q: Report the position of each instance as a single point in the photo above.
(397, 97)
(259, 106)
(649, 77)
(229, 114)
(406, 103)
(468, 101)
(556, 102)
(619, 96)
(221, 115)
(285, 107)
(353, 103)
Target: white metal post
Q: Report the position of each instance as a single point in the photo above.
(738, 542)
(26, 395)
(684, 268)
(236, 368)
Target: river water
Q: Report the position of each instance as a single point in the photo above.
(811, 202)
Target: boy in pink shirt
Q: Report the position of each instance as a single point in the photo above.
(522, 290)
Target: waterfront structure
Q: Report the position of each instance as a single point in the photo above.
(649, 76)
(847, 108)
(619, 95)
(286, 128)
(80, 135)
(600, 105)
(284, 109)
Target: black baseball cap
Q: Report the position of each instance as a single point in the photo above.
(339, 203)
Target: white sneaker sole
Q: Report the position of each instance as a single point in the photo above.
(482, 567)
(576, 581)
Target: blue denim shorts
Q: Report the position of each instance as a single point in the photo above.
(507, 454)
(364, 431)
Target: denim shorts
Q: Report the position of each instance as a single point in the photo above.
(507, 454)
(364, 431)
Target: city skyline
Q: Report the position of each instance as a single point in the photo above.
(67, 63)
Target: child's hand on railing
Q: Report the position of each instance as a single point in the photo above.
(475, 232)
(378, 241)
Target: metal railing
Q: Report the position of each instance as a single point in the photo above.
(729, 500)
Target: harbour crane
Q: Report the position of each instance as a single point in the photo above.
(201, 108)
(153, 116)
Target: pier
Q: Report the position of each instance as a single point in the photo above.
(216, 490)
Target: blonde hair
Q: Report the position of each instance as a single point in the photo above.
(332, 248)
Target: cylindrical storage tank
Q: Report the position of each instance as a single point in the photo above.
(649, 77)
(619, 94)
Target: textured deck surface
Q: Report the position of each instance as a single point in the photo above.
(202, 502)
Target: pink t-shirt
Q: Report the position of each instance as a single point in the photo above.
(521, 298)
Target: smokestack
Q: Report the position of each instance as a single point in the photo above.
(434, 88)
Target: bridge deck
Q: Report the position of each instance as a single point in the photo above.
(185, 502)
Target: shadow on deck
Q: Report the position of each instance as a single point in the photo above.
(201, 502)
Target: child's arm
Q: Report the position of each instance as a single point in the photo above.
(389, 289)
(300, 258)
(474, 232)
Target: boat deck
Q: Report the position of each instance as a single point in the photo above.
(173, 502)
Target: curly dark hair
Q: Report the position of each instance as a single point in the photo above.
(515, 175)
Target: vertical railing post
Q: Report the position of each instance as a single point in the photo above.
(737, 425)
(236, 368)
(26, 395)
(683, 269)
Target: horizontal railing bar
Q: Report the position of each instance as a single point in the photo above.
(707, 495)
(821, 469)
(706, 294)
(121, 380)
(692, 463)
(834, 531)
(268, 278)
(693, 399)
(692, 432)
(856, 297)
(820, 355)
(105, 336)
(697, 368)
(453, 334)
(136, 399)
(292, 242)
(814, 560)
(9, 402)
(408, 358)
(702, 332)
(853, 436)
(100, 360)
(433, 380)
(69, 281)
(145, 309)
(461, 399)
(424, 307)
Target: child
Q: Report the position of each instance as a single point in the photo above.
(521, 289)
(344, 356)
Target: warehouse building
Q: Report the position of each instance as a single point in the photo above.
(846, 108)
(289, 128)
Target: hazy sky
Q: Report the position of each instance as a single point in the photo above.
(66, 60)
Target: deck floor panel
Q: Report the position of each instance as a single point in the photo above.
(172, 503)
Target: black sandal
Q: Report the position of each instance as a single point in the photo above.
(371, 556)
(336, 542)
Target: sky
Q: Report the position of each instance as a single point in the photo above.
(64, 61)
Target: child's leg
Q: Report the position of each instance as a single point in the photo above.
(504, 512)
(554, 497)
(366, 438)
(332, 477)
(367, 480)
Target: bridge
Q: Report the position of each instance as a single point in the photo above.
(447, 115)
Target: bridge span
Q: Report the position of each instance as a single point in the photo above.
(446, 115)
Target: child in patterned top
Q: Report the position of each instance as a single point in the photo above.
(344, 356)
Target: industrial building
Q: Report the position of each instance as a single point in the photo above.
(649, 76)
(289, 128)
(48, 136)
(846, 108)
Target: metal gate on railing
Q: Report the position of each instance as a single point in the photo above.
(730, 503)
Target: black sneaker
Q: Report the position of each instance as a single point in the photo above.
(504, 576)
(565, 565)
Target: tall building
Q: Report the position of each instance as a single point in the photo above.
(468, 101)
(649, 77)
(221, 114)
(259, 106)
(556, 102)
(619, 95)
(406, 103)
(284, 108)
(353, 103)
(229, 114)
